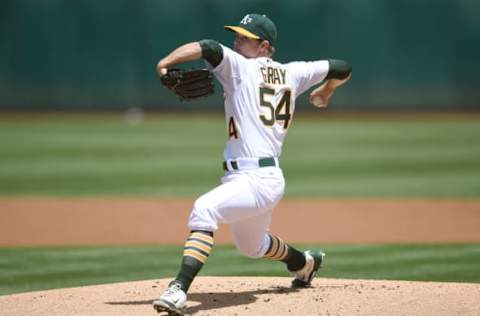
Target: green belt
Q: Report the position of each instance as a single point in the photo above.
(262, 162)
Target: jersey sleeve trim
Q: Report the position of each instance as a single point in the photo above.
(211, 51)
(338, 69)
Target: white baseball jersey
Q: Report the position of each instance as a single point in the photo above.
(260, 100)
(259, 104)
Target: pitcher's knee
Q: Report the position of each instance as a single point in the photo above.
(203, 216)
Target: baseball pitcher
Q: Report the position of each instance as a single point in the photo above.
(260, 98)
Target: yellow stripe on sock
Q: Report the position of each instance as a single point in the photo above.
(199, 245)
(278, 249)
(203, 237)
(273, 248)
(282, 254)
(195, 254)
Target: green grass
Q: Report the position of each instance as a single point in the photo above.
(180, 155)
(29, 269)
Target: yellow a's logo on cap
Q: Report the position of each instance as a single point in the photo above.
(246, 19)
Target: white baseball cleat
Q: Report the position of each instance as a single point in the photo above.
(172, 301)
(313, 262)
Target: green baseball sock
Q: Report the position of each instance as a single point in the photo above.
(195, 253)
(295, 259)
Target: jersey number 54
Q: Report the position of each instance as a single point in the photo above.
(280, 112)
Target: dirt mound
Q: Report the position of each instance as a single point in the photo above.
(256, 296)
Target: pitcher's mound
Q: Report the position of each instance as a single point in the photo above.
(256, 296)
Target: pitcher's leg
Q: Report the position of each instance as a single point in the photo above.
(304, 265)
(195, 253)
(253, 239)
(251, 235)
(228, 202)
(281, 251)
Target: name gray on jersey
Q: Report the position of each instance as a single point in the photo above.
(273, 75)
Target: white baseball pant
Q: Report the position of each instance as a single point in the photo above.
(245, 200)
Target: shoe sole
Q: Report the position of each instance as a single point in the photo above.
(165, 307)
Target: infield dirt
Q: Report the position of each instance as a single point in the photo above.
(48, 221)
(256, 296)
(124, 221)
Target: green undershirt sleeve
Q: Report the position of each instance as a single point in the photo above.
(338, 69)
(211, 51)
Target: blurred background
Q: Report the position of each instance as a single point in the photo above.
(94, 152)
(102, 54)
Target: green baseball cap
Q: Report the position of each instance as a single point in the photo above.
(257, 26)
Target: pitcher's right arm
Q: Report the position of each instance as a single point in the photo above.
(339, 73)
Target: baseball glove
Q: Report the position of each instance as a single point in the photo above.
(189, 84)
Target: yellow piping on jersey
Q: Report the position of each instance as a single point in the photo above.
(242, 31)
